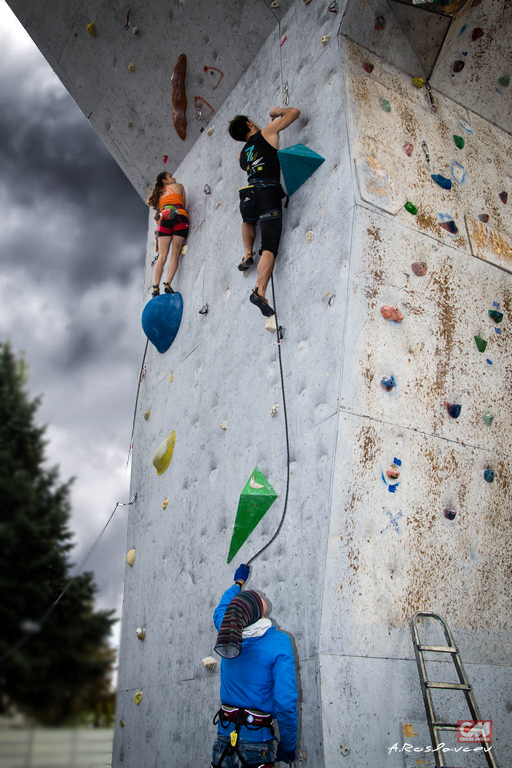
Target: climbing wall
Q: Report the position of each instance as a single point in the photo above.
(399, 420)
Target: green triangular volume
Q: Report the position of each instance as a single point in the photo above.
(298, 163)
(255, 500)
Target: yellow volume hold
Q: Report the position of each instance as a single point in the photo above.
(91, 29)
(163, 454)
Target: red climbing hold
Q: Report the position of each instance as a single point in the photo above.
(379, 23)
(212, 71)
(408, 148)
(483, 217)
(165, 159)
(477, 33)
(504, 197)
(368, 67)
(458, 66)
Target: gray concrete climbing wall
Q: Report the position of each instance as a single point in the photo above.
(359, 552)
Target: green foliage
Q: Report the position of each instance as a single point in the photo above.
(64, 665)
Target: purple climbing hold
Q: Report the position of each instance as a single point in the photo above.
(504, 197)
(419, 268)
(449, 513)
(477, 33)
(450, 226)
(368, 67)
(453, 409)
(380, 23)
(387, 383)
(441, 180)
(483, 217)
(459, 65)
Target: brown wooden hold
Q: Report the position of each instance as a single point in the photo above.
(179, 97)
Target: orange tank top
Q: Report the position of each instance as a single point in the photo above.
(168, 197)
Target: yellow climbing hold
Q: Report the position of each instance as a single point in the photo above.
(163, 454)
(131, 67)
(165, 503)
(130, 557)
(184, 250)
(91, 29)
(171, 378)
(418, 82)
(147, 414)
(138, 697)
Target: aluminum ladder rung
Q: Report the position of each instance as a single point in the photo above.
(437, 648)
(448, 686)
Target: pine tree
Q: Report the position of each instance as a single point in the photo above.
(63, 662)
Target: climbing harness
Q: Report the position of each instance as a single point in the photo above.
(264, 183)
(141, 376)
(279, 339)
(252, 719)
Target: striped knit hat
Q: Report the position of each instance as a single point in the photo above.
(244, 609)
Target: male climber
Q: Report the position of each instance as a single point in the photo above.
(261, 199)
(257, 683)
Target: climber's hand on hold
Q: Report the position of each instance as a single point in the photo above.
(284, 756)
(275, 112)
(242, 574)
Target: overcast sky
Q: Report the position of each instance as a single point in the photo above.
(72, 249)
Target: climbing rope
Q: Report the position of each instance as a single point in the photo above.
(141, 376)
(278, 342)
(36, 628)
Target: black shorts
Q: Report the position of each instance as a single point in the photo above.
(263, 204)
(178, 226)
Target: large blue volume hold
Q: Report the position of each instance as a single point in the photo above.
(161, 319)
(298, 163)
(442, 181)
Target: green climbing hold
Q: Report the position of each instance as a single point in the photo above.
(496, 316)
(480, 343)
(255, 500)
(487, 418)
(386, 106)
(504, 81)
(459, 141)
(411, 208)
(298, 163)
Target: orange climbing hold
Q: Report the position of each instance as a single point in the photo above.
(391, 313)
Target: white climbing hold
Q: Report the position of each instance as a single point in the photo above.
(325, 39)
(209, 662)
(141, 633)
(270, 324)
(254, 484)
(210, 130)
(246, 273)
(223, 425)
(274, 410)
(218, 205)
(309, 236)
(130, 557)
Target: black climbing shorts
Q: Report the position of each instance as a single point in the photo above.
(177, 225)
(263, 204)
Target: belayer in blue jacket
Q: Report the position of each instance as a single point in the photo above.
(257, 683)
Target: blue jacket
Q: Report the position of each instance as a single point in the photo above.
(262, 677)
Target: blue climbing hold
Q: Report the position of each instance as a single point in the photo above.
(161, 320)
(489, 475)
(441, 180)
(298, 163)
(453, 409)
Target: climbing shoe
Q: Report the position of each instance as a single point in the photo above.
(167, 288)
(246, 263)
(156, 291)
(261, 303)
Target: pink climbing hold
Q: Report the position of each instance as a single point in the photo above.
(393, 472)
(477, 33)
(165, 159)
(380, 23)
(368, 67)
(483, 217)
(419, 268)
(408, 148)
(391, 313)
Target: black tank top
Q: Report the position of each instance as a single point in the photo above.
(259, 159)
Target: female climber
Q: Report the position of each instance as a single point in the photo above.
(169, 200)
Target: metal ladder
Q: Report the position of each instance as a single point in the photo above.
(426, 685)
